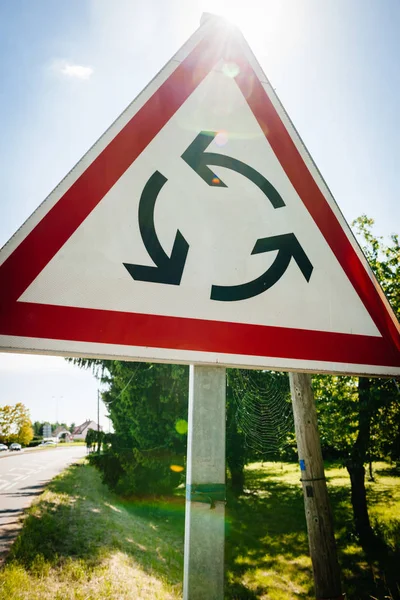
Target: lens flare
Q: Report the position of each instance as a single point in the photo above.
(247, 86)
(221, 138)
(176, 468)
(181, 426)
(230, 69)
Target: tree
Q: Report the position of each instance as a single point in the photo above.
(384, 259)
(236, 448)
(336, 400)
(148, 408)
(147, 403)
(90, 439)
(360, 418)
(25, 434)
(37, 429)
(374, 395)
(15, 424)
(57, 424)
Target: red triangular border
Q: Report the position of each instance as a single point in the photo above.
(112, 327)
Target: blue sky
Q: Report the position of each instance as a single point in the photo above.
(68, 69)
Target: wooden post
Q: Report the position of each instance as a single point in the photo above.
(98, 421)
(203, 574)
(316, 501)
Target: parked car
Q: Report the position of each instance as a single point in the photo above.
(3, 448)
(15, 447)
(48, 443)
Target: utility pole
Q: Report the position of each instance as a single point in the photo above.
(203, 573)
(316, 500)
(98, 421)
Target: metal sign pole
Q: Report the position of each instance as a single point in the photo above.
(205, 486)
(321, 536)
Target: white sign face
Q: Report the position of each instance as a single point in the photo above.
(198, 230)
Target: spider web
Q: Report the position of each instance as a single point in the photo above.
(263, 409)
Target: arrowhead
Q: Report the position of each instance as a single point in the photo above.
(196, 159)
(169, 270)
(289, 244)
(288, 247)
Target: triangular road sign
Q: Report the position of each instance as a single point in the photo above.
(198, 229)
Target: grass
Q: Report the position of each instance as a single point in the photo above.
(82, 542)
(79, 542)
(59, 445)
(267, 547)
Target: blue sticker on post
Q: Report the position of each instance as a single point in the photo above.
(302, 465)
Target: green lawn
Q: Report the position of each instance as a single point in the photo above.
(59, 445)
(81, 542)
(267, 548)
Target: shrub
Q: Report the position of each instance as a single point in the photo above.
(35, 442)
(132, 472)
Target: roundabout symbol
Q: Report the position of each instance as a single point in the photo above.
(169, 269)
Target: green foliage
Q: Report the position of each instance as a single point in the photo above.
(338, 407)
(38, 427)
(91, 438)
(337, 398)
(95, 439)
(237, 451)
(385, 420)
(384, 259)
(259, 420)
(360, 418)
(109, 464)
(383, 404)
(35, 442)
(148, 407)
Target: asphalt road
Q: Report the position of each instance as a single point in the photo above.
(23, 477)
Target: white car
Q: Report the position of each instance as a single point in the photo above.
(48, 443)
(16, 447)
(3, 448)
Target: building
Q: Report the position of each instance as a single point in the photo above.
(80, 432)
(59, 431)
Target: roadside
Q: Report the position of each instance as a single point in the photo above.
(82, 542)
(42, 448)
(22, 478)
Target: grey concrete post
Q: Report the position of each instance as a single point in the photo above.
(205, 486)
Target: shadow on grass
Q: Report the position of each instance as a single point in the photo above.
(393, 471)
(266, 540)
(267, 528)
(266, 533)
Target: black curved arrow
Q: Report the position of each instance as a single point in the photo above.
(196, 157)
(168, 269)
(288, 247)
